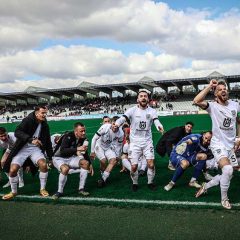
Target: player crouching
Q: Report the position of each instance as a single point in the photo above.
(71, 153)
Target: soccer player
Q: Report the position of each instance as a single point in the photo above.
(223, 113)
(103, 148)
(71, 153)
(141, 118)
(171, 138)
(191, 150)
(7, 141)
(33, 140)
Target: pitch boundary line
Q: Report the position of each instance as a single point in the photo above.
(131, 201)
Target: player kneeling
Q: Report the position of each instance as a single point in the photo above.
(71, 153)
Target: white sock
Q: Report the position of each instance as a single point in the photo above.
(83, 177)
(193, 179)
(150, 175)
(134, 177)
(214, 182)
(62, 179)
(105, 175)
(126, 164)
(43, 179)
(14, 183)
(225, 179)
(20, 174)
(72, 171)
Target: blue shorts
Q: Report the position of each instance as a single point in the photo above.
(177, 158)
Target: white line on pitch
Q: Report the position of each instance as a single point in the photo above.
(137, 201)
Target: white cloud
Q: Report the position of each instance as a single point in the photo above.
(188, 34)
(191, 43)
(81, 61)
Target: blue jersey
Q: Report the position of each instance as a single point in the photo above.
(187, 150)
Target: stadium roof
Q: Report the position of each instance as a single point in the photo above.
(86, 87)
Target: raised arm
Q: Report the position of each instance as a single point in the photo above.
(199, 100)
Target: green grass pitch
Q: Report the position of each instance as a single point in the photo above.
(141, 215)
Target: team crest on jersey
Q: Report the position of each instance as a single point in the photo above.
(227, 122)
(233, 113)
(148, 116)
(194, 138)
(142, 125)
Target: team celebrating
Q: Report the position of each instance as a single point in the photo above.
(127, 139)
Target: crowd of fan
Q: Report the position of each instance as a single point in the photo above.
(73, 107)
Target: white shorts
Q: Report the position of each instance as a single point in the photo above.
(32, 152)
(125, 148)
(72, 162)
(211, 164)
(118, 151)
(105, 154)
(221, 152)
(136, 151)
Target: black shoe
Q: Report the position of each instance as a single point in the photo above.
(57, 195)
(101, 183)
(141, 173)
(152, 186)
(134, 187)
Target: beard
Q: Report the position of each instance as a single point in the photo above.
(143, 103)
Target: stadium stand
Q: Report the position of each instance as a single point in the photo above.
(85, 98)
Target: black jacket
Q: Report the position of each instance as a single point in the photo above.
(170, 138)
(67, 146)
(24, 133)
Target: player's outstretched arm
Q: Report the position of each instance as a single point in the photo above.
(199, 100)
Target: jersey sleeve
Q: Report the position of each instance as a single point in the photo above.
(102, 130)
(194, 139)
(209, 107)
(127, 116)
(156, 120)
(238, 109)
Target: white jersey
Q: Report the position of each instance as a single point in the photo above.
(223, 123)
(141, 121)
(9, 143)
(106, 137)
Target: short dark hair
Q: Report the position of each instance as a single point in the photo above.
(114, 118)
(190, 123)
(2, 130)
(125, 125)
(37, 108)
(145, 91)
(77, 124)
(222, 83)
(207, 132)
(105, 117)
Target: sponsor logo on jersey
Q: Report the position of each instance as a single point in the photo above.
(222, 113)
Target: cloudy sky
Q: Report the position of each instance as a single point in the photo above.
(58, 43)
